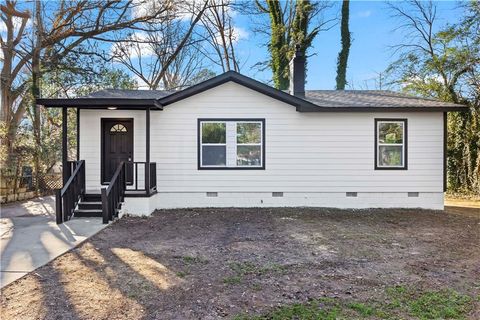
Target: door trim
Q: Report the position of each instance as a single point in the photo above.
(102, 146)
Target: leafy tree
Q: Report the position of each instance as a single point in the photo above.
(343, 55)
(290, 25)
(445, 64)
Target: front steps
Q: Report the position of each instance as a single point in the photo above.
(89, 206)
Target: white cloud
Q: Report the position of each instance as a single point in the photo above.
(138, 44)
(141, 85)
(240, 33)
(17, 22)
(364, 14)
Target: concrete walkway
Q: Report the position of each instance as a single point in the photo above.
(29, 236)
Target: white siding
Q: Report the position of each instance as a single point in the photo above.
(306, 153)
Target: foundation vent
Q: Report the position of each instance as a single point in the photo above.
(212, 194)
(277, 194)
(351, 194)
(413, 194)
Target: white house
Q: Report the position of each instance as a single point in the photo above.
(234, 142)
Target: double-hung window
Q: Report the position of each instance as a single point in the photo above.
(231, 144)
(390, 144)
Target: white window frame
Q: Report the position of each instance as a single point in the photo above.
(403, 123)
(231, 145)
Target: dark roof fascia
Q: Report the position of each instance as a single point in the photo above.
(240, 79)
(100, 103)
(382, 109)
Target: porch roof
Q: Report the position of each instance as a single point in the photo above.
(120, 99)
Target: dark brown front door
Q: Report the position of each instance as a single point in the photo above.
(117, 147)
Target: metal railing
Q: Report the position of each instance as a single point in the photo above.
(66, 199)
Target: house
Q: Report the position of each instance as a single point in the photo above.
(232, 141)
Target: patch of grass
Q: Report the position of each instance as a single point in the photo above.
(402, 302)
(311, 310)
(362, 309)
(441, 304)
(244, 268)
(182, 274)
(256, 287)
(194, 260)
(231, 280)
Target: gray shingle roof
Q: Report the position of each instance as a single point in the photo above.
(321, 98)
(369, 98)
(129, 94)
(314, 101)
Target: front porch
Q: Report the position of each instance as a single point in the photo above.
(120, 176)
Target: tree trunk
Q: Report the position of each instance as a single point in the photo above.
(343, 55)
(35, 89)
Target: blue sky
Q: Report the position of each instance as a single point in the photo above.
(371, 27)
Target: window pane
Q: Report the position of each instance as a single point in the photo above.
(213, 132)
(249, 132)
(214, 155)
(249, 155)
(390, 132)
(390, 156)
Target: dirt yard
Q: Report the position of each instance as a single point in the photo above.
(216, 263)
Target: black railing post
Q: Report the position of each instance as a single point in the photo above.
(104, 206)
(147, 178)
(58, 206)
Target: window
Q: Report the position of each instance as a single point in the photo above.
(390, 144)
(231, 143)
(118, 128)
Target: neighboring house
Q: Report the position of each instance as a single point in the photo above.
(232, 141)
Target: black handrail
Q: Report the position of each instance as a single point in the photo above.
(114, 194)
(150, 176)
(66, 199)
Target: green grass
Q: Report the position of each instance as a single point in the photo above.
(232, 280)
(194, 260)
(441, 304)
(311, 310)
(242, 269)
(362, 309)
(182, 274)
(401, 303)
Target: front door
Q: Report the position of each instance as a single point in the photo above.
(117, 147)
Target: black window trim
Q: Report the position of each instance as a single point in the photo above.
(199, 161)
(405, 142)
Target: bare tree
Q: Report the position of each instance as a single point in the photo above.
(163, 55)
(221, 35)
(62, 28)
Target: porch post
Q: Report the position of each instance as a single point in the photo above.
(65, 167)
(147, 151)
(78, 134)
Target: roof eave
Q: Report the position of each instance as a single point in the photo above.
(100, 103)
(315, 108)
(239, 79)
